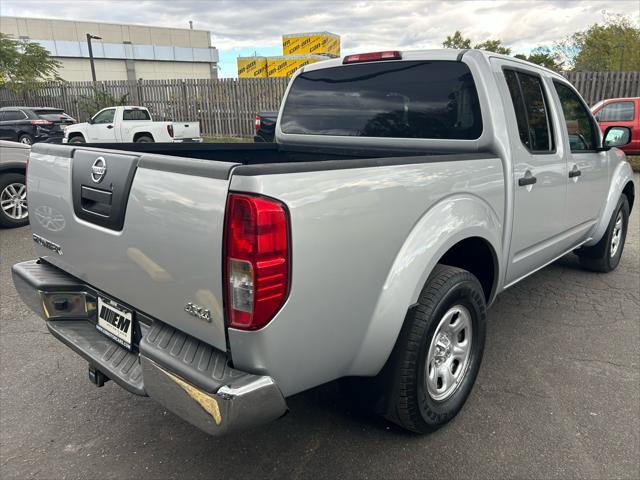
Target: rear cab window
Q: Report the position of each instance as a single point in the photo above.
(135, 114)
(405, 99)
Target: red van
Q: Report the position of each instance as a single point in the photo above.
(622, 112)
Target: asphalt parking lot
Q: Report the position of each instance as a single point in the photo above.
(558, 396)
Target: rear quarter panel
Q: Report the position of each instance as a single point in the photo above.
(363, 243)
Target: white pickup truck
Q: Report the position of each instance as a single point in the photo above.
(130, 124)
(404, 191)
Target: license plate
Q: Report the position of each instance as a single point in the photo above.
(115, 321)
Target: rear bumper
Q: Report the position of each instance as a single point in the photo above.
(186, 376)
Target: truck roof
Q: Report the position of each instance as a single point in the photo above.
(434, 54)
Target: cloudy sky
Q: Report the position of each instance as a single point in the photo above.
(244, 27)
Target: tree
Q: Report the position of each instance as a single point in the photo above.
(544, 57)
(493, 46)
(23, 64)
(610, 46)
(458, 41)
(99, 99)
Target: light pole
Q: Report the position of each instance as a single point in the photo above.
(621, 47)
(93, 67)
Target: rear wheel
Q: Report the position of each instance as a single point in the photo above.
(26, 139)
(13, 201)
(605, 255)
(144, 139)
(438, 353)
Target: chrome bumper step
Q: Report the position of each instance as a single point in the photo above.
(188, 377)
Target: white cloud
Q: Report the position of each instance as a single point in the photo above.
(363, 25)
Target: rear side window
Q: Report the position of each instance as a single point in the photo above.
(48, 111)
(532, 115)
(136, 115)
(53, 115)
(422, 99)
(580, 127)
(12, 115)
(616, 112)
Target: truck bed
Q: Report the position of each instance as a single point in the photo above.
(257, 154)
(127, 232)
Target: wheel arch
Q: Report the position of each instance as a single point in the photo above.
(622, 183)
(137, 135)
(77, 134)
(13, 167)
(441, 234)
(629, 192)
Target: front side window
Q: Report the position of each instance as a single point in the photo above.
(582, 136)
(406, 99)
(135, 114)
(105, 116)
(532, 116)
(616, 112)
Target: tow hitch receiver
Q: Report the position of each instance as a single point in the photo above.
(97, 377)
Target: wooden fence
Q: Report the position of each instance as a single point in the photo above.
(596, 86)
(224, 107)
(227, 107)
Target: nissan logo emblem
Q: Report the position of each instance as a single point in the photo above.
(98, 170)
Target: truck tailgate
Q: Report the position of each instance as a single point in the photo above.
(147, 232)
(184, 130)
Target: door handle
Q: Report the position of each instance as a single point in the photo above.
(109, 126)
(575, 172)
(528, 179)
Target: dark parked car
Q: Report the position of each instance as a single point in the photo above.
(265, 126)
(29, 125)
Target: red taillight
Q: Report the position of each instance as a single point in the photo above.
(41, 122)
(170, 130)
(256, 260)
(372, 57)
(258, 122)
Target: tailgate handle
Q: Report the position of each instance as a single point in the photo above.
(96, 201)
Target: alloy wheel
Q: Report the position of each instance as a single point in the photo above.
(13, 201)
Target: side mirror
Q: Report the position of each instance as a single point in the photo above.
(616, 137)
(90, 121)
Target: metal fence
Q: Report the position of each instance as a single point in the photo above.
(227, 107)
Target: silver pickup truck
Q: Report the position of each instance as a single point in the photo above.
(405, 190)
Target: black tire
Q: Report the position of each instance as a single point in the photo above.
(410, 404)
(598, 258)
(77, 139)
(7, 221)
(26, 139)
(144, 139)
